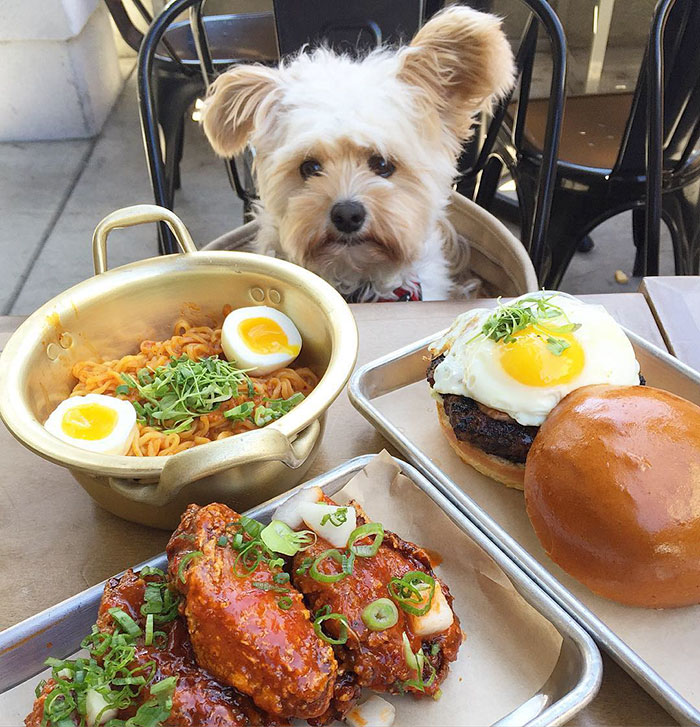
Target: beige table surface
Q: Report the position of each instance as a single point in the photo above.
(54, 541)
(675, 303)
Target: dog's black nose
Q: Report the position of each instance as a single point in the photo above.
(348, 215)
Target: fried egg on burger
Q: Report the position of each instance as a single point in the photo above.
(496, 375)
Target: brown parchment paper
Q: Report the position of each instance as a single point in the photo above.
(510, 649)
(668, 640)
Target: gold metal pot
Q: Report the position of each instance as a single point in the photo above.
(107, 316)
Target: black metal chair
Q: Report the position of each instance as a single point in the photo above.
(353, 26)
(177, 60)
(656, 160)
(482, 165)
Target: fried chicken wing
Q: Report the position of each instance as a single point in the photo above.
(378, 658)
(198, 699)
(249, 628)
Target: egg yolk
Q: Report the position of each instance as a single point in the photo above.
(530, 361)
(89, 421)
(263, 335)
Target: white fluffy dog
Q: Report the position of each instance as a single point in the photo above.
(355, 159)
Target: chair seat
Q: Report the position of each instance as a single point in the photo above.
(242, 38)
(591, 131)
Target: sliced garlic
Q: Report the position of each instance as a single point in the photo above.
(375, 712)
(439, 618)
(340, 521)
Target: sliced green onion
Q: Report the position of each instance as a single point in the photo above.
(269, 587)
(148, 640)
(149, 570)
(435, 649)
(184, 562)
(280, 538)
(249, 558)
(125, 621)
(409, 592)
(164, 686)
(251, 526)
(304, 566)
(275, 563)
(285, 603)
(281, 577)
(342, 560)
(122, 390)
(222, 541)
(364, 531)
(380, 615)
(343, 627)
(336, 518)
(240, 412)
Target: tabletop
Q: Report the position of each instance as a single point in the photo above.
(55, 541)
(675, 304)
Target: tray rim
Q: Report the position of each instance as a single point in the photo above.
(360, 393)
(557, 712)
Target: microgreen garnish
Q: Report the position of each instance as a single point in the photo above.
(336, 518)
(535, 311)
(184, 389)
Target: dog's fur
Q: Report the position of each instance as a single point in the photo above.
(413, 107)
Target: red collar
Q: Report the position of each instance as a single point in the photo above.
(410, 291)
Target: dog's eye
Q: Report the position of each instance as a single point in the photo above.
(381, 166)
(310, 168)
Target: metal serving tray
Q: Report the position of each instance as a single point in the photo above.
(575, 680)
(633, 637)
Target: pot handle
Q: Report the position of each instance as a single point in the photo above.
(258, 445)
(137, 214)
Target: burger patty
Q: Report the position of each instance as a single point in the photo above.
(502, 438)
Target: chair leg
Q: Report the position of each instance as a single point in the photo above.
(179, 149)
(488, 183)
(572, 218)
(174, 133)
(638, 232)
(681, 212)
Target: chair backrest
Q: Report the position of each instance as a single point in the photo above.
(350, 26)
(541, 17)
(679, 72)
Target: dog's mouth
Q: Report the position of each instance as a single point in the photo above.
(332, 243)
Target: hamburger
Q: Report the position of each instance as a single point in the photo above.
(497, 374)
(612, 488)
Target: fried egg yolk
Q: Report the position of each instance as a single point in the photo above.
(530, 360)
(265, 336)
(89, 421)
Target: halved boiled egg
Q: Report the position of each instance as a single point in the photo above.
(95, 422)
(260, 339)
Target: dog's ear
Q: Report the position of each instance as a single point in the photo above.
(237, 102)
(463, 62)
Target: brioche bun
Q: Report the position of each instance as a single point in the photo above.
(612, 488)
(497, 468)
